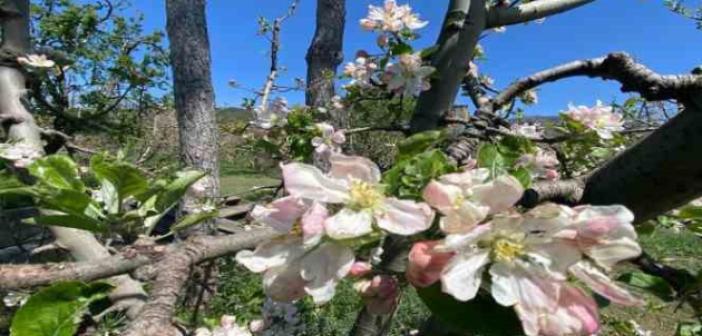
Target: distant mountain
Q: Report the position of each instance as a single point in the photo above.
(226, 114)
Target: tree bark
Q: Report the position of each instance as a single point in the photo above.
(464, 22)
(324, 56)
(194, 96)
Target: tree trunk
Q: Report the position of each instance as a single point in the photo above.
(324, 56)
(194, 95)
(465, 21)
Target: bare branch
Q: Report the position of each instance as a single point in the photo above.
(503, 16)
(621, 67)
(563, 192)
(13, 277)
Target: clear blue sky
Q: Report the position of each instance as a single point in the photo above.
(660, 39)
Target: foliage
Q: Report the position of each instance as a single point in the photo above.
(57, 310)
(108, 70)
(679, 6)
(110, 194)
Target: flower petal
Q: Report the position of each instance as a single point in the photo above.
(347, 224)
(313, 224)
(280, 214)
(457, 242)
(502, 285)
(499, 194)
(284, 283)
(464, 218)
(307, 181)
(603, 285)
(354, 167)
(442, 196)
(273, 253)
(462, 276)
(404, 217)
(323, 268)
(425, 265)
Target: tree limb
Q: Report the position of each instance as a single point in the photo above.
(504, 16)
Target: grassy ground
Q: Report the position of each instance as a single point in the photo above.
(240, 292)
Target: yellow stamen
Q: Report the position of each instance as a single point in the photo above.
(364, 195)
(506, 250)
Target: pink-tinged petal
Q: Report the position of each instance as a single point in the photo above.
(280, 214)
(306, 181)
(609, 253)
(599, 282)
(273, 253)
(347, 224)
(462, 275)
(381, 294)
(425, 264)
(535, 292)
(284, 283)
(354, 168)
(575, 314)
(313, 224)
(605, 233)
(404, 217)
(549, 218)
(464, 218)
(360, 268)
(466, 179)
(442, 196)
(456, 242)
(323, 268)
(339, 137)
(499, 194)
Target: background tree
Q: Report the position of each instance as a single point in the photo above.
(111, 72)
(325, 54)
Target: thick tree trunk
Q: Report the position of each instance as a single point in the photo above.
(324, 56)
(465, 21)
(660, 173)
(194, 95)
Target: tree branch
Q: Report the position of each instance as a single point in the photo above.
(503, 16)
(14, 277)
(621, 67)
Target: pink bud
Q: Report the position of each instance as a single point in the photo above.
(360, 268)
(380, 294)
(257, 326)
(382, 41)
(425, 265)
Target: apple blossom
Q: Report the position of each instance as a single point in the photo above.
(330, 139)
(541, 164)
(391, 18)
(380, 294)
(467, 198)
(575, 314)
(360, 71)
(408, 76)
(360, 268)
(274, 115)
(598, 118)
(354, 182)
(35, 61)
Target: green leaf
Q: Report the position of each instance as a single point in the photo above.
(691, 212)
(418, 143)
(689, 329)
(123, 178)
(401, 48)
(57, 171)
(489, 157)
(480, 316)
(175, 190)
(70, 202)
(57, 310)
(193, 219)
(652, 284)
(523, 175)
(76, 222)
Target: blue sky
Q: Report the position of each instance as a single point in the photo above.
(662, 40)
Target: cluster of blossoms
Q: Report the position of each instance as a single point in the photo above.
(329, 139)
(273, 115)
(361, 71)
(408, 76)
(599, 118)
(541, 164)
(313, 253)
(391, 18)
(529, 257)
